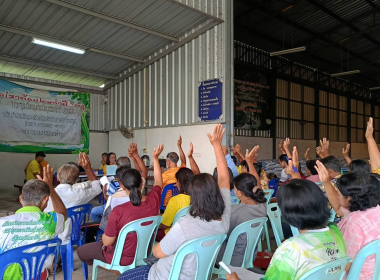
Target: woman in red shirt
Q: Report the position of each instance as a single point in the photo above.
(138, 207)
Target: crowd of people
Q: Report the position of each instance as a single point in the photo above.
(218, 204)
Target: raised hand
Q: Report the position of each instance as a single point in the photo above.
(190, 152)
(251, 156)
(237, 149)
(157, 151)
(84, 161)
(281, 145)
(369, 131)
(345, 151)
(325, 144)
(306, 155)
(322, 172)
(318, 151)
(179, 142)
(296, 162)
(48, 175)
(286, 143)
(217, 136)
(133, 148)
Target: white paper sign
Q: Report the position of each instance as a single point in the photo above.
(28, 121)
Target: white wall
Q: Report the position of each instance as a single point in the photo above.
(197, 134)
(12, 164)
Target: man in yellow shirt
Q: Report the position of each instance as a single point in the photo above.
(34, 167)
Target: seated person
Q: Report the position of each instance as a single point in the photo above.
(312, 174)
(103, 161)
(359, 166)
(111, 160)
(168, 177)
(252, 205)
(209, 214)
(177, 202)
(303, 206)
(333, 168)
(34, 198)
(357, 200)
(283, 161)
(68, 175)
(138, 207)
(34, 167)
(109, 189)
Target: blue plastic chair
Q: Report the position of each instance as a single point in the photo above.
(372, 248)
(268, 195)
(146, 234)
(253, 230)
(183, 212)
(205, 253)
(31, 263)
(334, 270)
(332, 217)
(172, 188)
(79, 216)
(274, 214)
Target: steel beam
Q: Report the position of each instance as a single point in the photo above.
(85, 10)
(55, 67)
(27, 33)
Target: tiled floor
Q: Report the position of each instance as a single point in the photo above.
(9, 204)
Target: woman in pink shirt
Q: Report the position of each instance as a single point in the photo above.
(311, 171)
(357, 200)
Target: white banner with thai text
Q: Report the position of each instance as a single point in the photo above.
(28, 121)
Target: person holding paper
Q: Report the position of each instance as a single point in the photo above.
(111, 160)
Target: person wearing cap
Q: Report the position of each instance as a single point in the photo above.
(34, 167)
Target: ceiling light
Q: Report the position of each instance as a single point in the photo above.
(102, 86)
(57, 46)
(300, 49)
(374, 88)
(345, 73)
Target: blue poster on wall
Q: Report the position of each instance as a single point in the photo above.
(210, 100)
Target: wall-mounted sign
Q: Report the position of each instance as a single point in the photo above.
(210, 100)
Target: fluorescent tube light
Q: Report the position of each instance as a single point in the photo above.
(57, 46)
(300, 49)
(102, 86)
(374, 88)
(345, 73)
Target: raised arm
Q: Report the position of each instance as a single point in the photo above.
(250, 158)
(332, 194)
(131, 156)
(286, 148)
(373, 150)
(345, 154)
(56, 201)
(237, 152)
(84, 161)
(230, 163)
(221, 164)
(293, 165)
(137, 160)
(193, 165)
(325, 147)
(156, 165)
(181, 153)
(281, 147)
(307, 154)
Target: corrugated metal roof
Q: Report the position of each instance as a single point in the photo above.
(75, 27)
(322, 26)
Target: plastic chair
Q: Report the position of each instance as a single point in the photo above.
(334, 270)
(332, 217)
(79, 216)
(146, 234)
(234, 200)
(170, 187)
(99, 234)
(205, 253)
(31, 262)
(183, 212)
(274, 214)
(268, 194)
(372, 248)
(253, 237)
